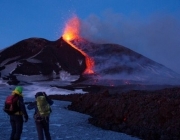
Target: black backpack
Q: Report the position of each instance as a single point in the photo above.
(11, 104)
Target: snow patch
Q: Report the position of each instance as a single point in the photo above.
(7, 60)
(65, 76)
(8, 69)
(32, 60)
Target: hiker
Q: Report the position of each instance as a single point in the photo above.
(42, 114)
(16, 118)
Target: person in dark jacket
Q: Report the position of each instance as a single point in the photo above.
(42, 123)
(16, 119)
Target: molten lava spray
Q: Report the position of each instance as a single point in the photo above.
(71, 32)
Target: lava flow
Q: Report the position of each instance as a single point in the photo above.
(71, 32)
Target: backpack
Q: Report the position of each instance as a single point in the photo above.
(11, 104)
(43, 106)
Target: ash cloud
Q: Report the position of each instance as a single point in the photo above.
(156, 37)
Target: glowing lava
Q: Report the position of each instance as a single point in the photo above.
(71, 32)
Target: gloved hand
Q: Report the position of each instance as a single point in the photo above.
(26, 118)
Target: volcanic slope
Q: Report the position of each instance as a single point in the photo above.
(113, 64)
(37, 56)
(124, 66)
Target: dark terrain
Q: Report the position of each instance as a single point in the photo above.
(124, 92)
(38, 59)
(38, 56)
(147, 114)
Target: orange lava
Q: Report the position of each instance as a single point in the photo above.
(71, 32)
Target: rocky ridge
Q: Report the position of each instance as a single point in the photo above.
(40, 57)
(150, 115)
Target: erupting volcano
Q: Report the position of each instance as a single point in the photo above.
(38, 59)
(71, 32)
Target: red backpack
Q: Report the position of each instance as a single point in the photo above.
(11, 104)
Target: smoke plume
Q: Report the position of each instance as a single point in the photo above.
(156, 37)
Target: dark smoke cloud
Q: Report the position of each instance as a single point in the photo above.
(156, 37)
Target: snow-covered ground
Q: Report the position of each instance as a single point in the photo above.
(64, 124)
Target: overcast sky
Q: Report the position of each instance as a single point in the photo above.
(149, 27)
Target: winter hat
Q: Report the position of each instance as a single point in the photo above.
(18, 90)
(40, 94)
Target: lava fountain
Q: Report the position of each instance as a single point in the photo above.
(71, 32)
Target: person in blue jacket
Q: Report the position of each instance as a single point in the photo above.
(42, 123)
(16, 119)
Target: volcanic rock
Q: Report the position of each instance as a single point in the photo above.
(114, 65)
(150, 115)
(37, 56)
(119, 65)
